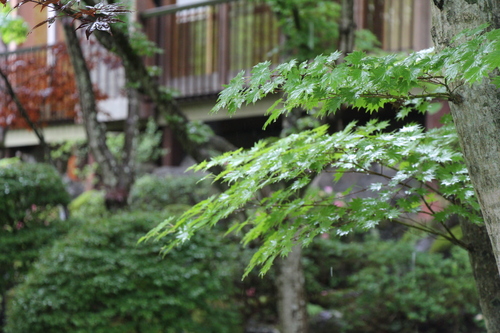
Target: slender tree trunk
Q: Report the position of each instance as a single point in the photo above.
(476, 116)
(3, 136)
(292, 305)
(117, 176)
(347, 27)
(95, 130)
(290, 282)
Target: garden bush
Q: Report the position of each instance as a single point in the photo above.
(98, 279)
(20, 247)
(388, 286)
(26, 189)
(152, 192)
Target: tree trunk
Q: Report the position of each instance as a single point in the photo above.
(485, 272)
(95, 130)
(182, 128)
(3, 136)
(290, 282)
(292, 306)
(477, 115)
(477, 119)
(347, 28)
(117, 176)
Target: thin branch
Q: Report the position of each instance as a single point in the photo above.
(25, 115)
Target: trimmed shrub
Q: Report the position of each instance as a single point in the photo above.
(19, 248)
(387, 286)
(151, 192)
(27, 189)
(98, 279)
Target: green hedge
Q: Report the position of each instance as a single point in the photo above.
(152, 192)
(97, 279)
(387, 286)
(26, 188)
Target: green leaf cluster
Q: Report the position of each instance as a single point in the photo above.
(322, 86)
(148, 143)
(151, 192)
(12, 29)
(405, 162)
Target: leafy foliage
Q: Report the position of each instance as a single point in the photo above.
(148, 146)
(387, 286)
(367, 82)
(19, 248)
(152, 192)
(312, 28)
(12, 29)
(416, 170)
(26, 189)
(97, 280)
(409, 159)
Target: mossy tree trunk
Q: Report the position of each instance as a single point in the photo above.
(477, 118)
(117, 176)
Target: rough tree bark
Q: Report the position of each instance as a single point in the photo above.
(477, 118)
(485, 272)
(117, 176)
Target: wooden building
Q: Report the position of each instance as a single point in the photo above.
(205, 44)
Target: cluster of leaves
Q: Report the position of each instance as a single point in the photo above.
(92, 18)
(409, 161)
(12, 29)
(311, 28)
(417, 168)
(387, 286)
(26, 189)
(19, 248)
(368, 82)
(96, 279)
(89, 204)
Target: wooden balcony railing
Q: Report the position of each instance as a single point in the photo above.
(207, 43)
(43, 79)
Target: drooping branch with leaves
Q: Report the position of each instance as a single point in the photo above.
(415, 170)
